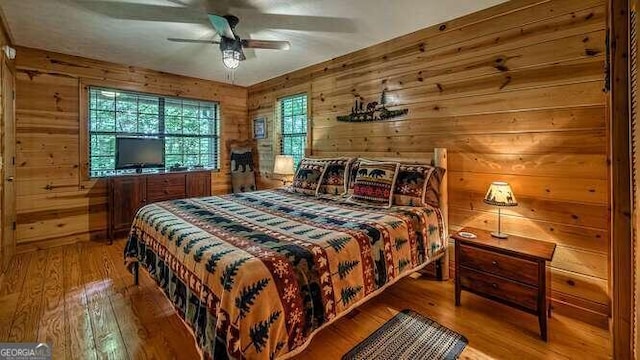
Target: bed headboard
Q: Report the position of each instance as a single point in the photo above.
(440, 159)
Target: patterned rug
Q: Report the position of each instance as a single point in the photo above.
(409, 335)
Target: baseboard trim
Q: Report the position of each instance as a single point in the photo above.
(568, 309)
(579, 313)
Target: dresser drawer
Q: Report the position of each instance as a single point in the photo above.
(508, 290)
(166, 187)
(522, 270)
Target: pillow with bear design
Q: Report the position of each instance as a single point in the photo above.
(308, 176)
(374, 183)
(334, 181)
(417, 185)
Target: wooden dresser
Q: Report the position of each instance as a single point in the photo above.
(128, 193)
(512, 271)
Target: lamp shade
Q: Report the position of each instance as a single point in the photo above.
(283, 165)
(500, 194)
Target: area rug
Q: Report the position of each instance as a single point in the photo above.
(409, 335)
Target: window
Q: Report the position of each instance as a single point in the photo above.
(189, 128)
(293, 115)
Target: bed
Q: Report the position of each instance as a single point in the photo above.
(256, 275)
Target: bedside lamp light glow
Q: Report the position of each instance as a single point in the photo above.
(500, 194)
(283, 166)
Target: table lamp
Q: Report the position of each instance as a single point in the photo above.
(283, 166)
(500, 194)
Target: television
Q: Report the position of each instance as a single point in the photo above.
(139, 152)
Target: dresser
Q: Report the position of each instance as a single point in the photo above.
(511, 271)
(128, 193)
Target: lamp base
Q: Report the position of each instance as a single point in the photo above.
(499, 235)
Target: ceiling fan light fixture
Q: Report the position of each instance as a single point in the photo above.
(231, 45)
(231, 58)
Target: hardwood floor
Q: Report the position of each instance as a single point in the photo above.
(81, 299)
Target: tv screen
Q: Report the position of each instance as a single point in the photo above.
(136, 153)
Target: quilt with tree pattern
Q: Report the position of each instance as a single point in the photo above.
(254, 274)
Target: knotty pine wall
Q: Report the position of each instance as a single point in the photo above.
(55, 204)
(515, 93)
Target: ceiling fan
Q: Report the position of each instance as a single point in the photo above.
(231, 45)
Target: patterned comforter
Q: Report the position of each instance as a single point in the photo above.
(254, 274)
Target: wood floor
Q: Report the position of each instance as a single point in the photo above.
(81, 299)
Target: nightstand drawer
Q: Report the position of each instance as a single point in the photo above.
(497, 287)
(510, 267)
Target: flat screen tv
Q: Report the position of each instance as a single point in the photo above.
(139, 153)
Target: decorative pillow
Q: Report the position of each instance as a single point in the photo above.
(432, 189)
(243, 177)
(308, 177)
(417, 185)
(335, 179)
(351, 176)
(374, 183)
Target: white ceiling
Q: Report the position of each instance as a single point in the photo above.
(134, 32)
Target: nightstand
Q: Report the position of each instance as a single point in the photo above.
(511, 271)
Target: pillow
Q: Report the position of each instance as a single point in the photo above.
(417, 185)
(432, 190)
(335, 179)
(351, 176)
(374, 183)
(243, 177)
(308, 177)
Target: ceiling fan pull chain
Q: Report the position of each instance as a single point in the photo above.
(231, 76)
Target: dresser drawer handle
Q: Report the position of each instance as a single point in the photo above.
(494, 285)
(494, 263)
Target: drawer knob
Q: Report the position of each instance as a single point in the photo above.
(494, 263)
(494, 285)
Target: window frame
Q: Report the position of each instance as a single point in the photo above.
(281, 130)
(85, 131)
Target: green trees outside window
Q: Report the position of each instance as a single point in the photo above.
(294, 126)
(190, 128)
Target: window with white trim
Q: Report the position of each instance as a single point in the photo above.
(190, 128)
(293, 121)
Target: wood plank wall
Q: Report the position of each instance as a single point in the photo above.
(54, 204)
(515, 93)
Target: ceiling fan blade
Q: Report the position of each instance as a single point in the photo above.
(142, 12)
(221, 25)
(222, 6)
(258, 20)
(193, 41)
(266, 44)
(179, 2)
(249, 53)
